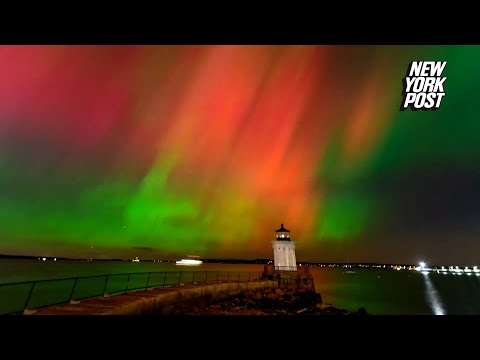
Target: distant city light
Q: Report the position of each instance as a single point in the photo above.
(44, 259)
(55, 259)
(422, 264)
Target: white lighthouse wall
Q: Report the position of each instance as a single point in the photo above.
(284, 255)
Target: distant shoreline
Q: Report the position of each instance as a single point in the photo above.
(213, 261)
(226, 261)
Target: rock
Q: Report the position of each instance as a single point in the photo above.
(248, 294)
(279, 292)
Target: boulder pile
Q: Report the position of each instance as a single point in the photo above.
(268, 301)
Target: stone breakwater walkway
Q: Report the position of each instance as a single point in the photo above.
(270, 301)
(263, 297)
(155, 301)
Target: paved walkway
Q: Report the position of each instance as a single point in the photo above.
(154, 301)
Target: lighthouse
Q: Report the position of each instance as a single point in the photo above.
(284, 251)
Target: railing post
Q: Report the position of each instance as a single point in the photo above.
(164, 278)
(238, 277)
(73, 290)
(217, 275)
(193, 278)
(249, 276)
(228, 276)
(29, 294)
(206, 277)
(105, 286)
(148, 280)
(180, 278)
(126, 286)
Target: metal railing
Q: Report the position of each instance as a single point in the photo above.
(17, 297)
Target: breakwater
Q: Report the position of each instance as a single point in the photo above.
(270, 301)
(155, 301)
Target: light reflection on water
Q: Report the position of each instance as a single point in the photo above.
(432, 296)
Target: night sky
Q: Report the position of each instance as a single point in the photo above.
(164, 151)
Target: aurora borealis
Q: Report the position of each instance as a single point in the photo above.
(162, 151)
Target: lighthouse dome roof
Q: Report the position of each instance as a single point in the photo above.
(282, 229)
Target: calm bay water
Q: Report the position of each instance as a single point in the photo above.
(378, 291)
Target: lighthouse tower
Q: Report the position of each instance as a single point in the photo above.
(284, 251)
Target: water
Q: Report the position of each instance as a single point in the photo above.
(381, 292)
(16, 270)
